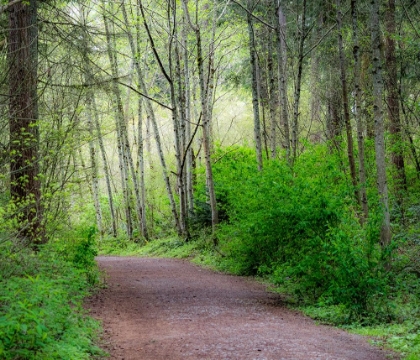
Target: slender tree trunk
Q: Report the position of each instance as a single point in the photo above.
(94, 126)
(315, 106)
(105, 168)
(296, 103)
(282, 68)
(210, 86)
(205, 121)
(152, 118)
(25, 185)
(346, 106)
(140, 167)
(178, 115)
(126, 149)
(76, 166)
(94, 169)
(189, 154)
(334, 126)
(137, 191)
(385, 238)
(138, 188)
(140, 153)
(206, 135)
(392, 100)
(272, 99)
(92, 151)
(262, 100)
(121, 129)
(357, 110)
(254, 86)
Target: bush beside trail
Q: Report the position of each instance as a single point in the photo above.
(41, 295)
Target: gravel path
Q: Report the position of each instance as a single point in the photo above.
(171, 309)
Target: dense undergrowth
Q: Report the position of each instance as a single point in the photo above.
(41, 295)
(301, 230)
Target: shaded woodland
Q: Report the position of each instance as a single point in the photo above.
(282, 135)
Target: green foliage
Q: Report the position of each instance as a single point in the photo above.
(79, 247)
(172, 247)
(41, 314)
(298, 227)
(85, 252)
(227, 159)
(404, 337)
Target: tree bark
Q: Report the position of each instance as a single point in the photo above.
(272, 99)
(178, 114)
(206, 135)
(385, 237)
(254, 86)
(140, 150)
(357, 110)
(188, 134)
(121, 129)
(152, 117)
(94, 169)
(298, 81)
(91, 130)
(393, 102)
(138, 188)
(205, 121)
(346, 106)
(25, 185)
(282, 69)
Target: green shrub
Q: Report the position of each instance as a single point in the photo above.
(299, 227)
(85, 251)
(41, 314)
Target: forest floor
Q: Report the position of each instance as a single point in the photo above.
(154, 308)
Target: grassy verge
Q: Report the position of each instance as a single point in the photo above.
(402, 335)
(41, 313)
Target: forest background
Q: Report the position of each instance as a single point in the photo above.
(269, 138)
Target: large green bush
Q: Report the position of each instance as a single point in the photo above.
(299, 226)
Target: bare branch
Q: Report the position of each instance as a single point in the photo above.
(254, 16)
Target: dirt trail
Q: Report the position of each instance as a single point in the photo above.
(171, 309)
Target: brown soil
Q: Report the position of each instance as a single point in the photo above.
(171, 309)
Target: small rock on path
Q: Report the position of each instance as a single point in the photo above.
(171, 309)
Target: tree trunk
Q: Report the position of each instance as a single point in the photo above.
(178, 115)
(140, 150)
(357, 110)
(298, 81)
(120, 127)
(210, 86)
(392, 100)
(152, 117)
(105, 168)
(206, 135)
(272, 99)
(282, 69)
(385, 237)
(254, 86)
(94, 169)
(315, 101)
(92, 151)
(205, 121)
(188, 134)
(25, 185)
(138, 188)
(346, 106)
